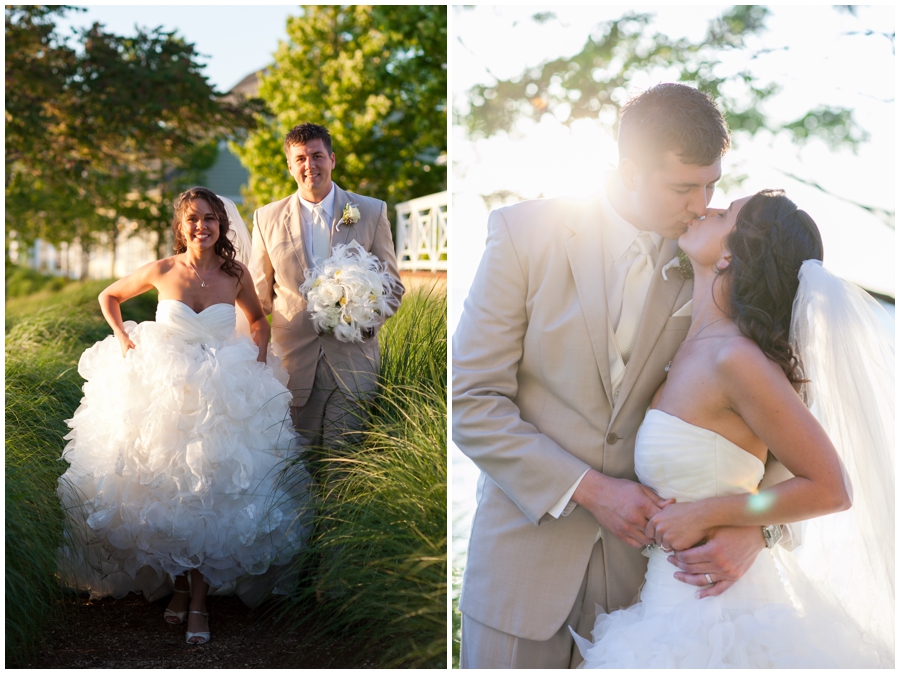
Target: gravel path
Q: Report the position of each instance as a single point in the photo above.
(130, 633)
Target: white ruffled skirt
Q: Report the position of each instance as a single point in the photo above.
(182, 456)
(753, 624)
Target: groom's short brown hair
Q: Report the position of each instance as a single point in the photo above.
(672, 117)
(303, 133)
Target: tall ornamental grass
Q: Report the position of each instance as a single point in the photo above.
(45, 336)
(376, 566)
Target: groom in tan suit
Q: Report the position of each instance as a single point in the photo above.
(327, 377)
(563, 340)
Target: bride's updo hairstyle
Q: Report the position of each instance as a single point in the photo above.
(224, 248)
(770, 240)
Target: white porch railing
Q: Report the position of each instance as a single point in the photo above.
(422, 233)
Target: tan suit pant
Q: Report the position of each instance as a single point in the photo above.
(327, 414)
(486, 648)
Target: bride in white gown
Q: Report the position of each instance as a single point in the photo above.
(731, 396)
(178, 451)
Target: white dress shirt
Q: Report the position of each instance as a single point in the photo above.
(618, 256)
(308, 222)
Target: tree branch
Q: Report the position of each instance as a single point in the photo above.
(886, 216)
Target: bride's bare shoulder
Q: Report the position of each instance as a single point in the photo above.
(739, 351)
(743, 366)
(158, 267)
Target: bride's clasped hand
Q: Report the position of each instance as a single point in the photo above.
(678, 526)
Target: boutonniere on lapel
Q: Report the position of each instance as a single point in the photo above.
(683, 264)
(350, 215)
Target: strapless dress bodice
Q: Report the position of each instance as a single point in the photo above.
(213, 324)
(688, 463)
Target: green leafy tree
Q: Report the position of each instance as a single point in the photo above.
(37, 64)
(376, 77)
(594, 83)
(106, 132)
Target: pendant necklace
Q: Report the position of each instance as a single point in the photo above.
(690, 339)
(203, 283)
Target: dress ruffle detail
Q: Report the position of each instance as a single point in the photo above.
(706, 633)
(180, 459)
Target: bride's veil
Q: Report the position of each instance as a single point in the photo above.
(845, 342)
(239, 235)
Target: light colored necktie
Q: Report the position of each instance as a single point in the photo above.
(635, 294)
(321, 234)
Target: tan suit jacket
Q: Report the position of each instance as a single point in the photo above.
(278, 263)
(533, 408)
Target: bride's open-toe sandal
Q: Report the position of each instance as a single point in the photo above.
(201, 635)
(178, 616)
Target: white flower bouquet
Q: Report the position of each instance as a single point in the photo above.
(346, 294)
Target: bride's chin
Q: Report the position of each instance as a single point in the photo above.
(201, 246)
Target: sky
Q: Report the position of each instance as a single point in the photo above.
(235, 39)
(824, 64)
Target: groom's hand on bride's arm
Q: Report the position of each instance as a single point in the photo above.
(726, 555)
(622, 507)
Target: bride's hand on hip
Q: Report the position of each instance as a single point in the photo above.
(726, 555)
(677, 526)
(125, 342)
(622, 507)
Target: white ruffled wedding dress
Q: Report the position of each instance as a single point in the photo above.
(755, 623)
(177, 459)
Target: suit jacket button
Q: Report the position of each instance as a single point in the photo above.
(611, 439)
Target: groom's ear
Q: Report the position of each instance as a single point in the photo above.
(628, 173)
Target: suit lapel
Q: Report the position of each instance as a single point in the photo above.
(294, 225)
(658, 308)
(585, 253)
(339, 233)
